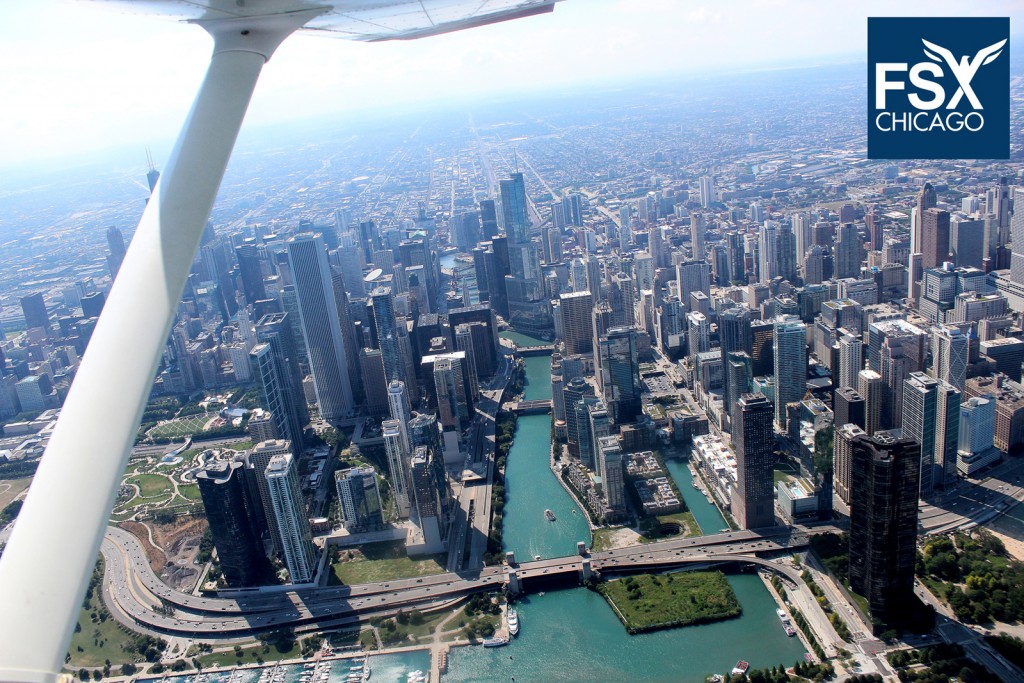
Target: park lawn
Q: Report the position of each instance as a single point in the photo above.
(189, 492)
(151, 485)
(138, 501)
(648, 602)
(250, 655)
(383, 562)
(97, 642)
(10, 489)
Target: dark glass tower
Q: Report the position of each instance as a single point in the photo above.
(251, 273)
(227, 510)
(753, 502)
(619, 377)
(884, 480)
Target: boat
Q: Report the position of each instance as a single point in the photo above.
(513, 622)
(549, 515)
(782, 615)
(790, 631)
(536, 557)
(497, 641)
(740, 668)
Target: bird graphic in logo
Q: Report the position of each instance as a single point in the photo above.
(965, 69)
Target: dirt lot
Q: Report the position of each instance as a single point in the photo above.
(178, 543)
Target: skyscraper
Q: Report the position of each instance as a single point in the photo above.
(398, 468)
(790, 351)
(947, 436)
(452, 402)
(848, 251)
(920, 396)
(115, 243)
(464, 342)
(239, 551)
(251, 273)
(935, 236)
(872, 388)
(851, 361)
(926, 199)
(698, 334)
(1017, 236)
(619, 369)
(842, 457)
(753, 501)
(387, 333)
(848, 407)
(697, 235)
(257, 460)
(290, 516)
(33, 307)
(321, 328)
(277, 370)
(400, 410)
(359, 499)
(574, 391)
(610, 463)
(950, 349)
(577, 329)
(527, 310)
(884, 483)
(276, 392)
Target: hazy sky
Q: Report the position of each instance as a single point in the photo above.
(77, 77)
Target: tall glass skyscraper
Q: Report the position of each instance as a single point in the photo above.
(290, 516)
(321, 328)
(790, 342)
(619, 376)
(527, 308)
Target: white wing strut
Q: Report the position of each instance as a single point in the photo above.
(47, 564)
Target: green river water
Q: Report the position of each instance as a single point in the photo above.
(572, 634)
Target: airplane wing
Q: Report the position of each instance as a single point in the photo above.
(363, 20)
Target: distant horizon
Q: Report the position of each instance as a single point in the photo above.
(97, 80)
(134, 154)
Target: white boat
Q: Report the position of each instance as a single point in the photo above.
(496, 641)
(513, 622)
(549, 515)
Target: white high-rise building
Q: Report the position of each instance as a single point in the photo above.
(398, 465)
(851, 355)
(950, 349)
(399, 409)
(977, 428)
(321, 328)
(698, 333)
(697, 235)
(290, 517)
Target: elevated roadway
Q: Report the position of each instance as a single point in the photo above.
(143, 600)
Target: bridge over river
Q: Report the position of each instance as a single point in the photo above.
(135, 595)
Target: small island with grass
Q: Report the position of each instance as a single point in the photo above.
(650, 602)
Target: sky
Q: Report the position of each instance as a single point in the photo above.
(78, 77)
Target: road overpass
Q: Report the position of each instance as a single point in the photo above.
(534, 407)
(141, 599)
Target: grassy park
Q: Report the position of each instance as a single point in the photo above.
(649, 602)
(381, 562)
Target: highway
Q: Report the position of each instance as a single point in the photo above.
(975, 502)
(138, 596)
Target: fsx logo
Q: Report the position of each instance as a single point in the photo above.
(938, 88)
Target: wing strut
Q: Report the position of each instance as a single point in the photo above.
(48, 562)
